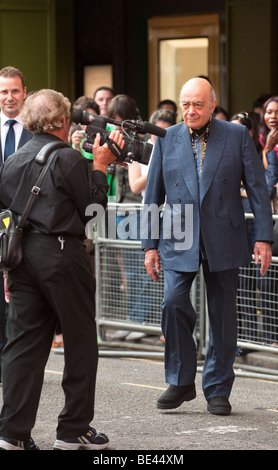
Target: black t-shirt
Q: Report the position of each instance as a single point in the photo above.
(69, 187)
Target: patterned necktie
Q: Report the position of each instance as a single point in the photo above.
(199, 145)
(10, 140)
(199, 148)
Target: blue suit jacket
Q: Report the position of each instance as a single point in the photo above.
(213, 207)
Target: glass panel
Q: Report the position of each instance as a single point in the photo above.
(96, 76)
(180, 60)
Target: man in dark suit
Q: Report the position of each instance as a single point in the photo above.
(12, 96)
(195, 175)
(12, 137)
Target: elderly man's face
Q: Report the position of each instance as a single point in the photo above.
(197, 103)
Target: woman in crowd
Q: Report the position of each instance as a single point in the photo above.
(250, 279)
(268, 128)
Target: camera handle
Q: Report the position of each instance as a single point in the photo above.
(115, 149)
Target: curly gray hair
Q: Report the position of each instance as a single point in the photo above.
(44, 111)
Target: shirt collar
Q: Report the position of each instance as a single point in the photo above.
(204, 131)
(4, 119)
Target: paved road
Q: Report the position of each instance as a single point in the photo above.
(127, 390)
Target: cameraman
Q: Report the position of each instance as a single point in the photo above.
(54, 280)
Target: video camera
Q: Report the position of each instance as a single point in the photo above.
(135, 148)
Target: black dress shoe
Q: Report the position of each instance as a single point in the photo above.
(175, 395)
(219, 406)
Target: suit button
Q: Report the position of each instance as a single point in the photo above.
(179, 199)
(176, 183)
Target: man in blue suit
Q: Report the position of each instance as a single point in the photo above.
(12, 97)
(195, 176)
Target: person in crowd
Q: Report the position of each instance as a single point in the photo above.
(58, 342)
(102, 96)
(250, 279)
(86, 103)
(206, 77)
(12, 136)
(268, 128)
(77, 131)
(221, 113)
(121, 108)
(77, 137)
(258, 103)
(54, 281)
(268, 139)
(138, 172)
(198, 167)
(170, 105)
(248, 119)
(12, 97)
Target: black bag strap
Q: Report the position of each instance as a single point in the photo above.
(44, 157)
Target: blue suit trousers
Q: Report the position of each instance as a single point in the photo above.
(178, 324)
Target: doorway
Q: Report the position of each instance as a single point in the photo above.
(181, 48)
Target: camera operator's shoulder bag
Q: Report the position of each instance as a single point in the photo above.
(11, 231)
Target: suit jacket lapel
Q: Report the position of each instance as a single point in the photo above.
(24, 138)
(187, 162)
(214, 152)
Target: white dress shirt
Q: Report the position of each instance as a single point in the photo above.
(18, 126)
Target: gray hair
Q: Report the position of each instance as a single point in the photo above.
(44, 111)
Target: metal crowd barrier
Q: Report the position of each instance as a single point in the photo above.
(128, 299)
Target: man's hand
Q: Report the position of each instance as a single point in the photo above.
(152, 264)
(102, 155)
(262, 250)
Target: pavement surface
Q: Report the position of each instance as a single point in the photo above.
(127, 390)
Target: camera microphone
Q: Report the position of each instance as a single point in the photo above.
(83, 117)
(149, 128)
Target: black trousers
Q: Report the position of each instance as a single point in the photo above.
(50, 284)
(2, 317)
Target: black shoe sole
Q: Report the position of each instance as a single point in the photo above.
(170, 406)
